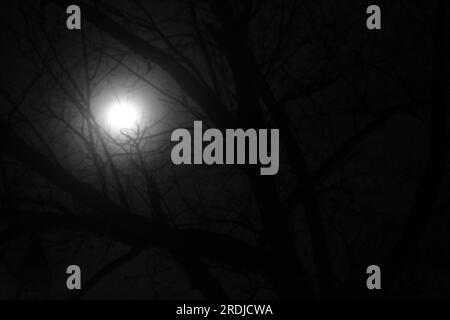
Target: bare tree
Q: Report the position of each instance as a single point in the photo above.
(341, 97)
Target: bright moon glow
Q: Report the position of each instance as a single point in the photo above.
(122, 115)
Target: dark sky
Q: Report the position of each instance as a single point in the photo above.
(311, 69)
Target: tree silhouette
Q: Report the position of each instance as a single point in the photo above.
(363, 143)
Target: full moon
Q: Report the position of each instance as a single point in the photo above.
(122, 115)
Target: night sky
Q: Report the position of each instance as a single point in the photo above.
(86, 176)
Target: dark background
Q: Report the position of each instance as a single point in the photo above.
(363, 150)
